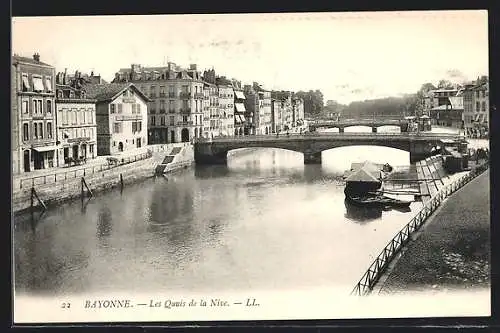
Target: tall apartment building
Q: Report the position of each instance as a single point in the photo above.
(121, 114)
(476, 107)
(276, 115)
(214, 120)
(76, 132)
(176, 100)
(32, 114)
(298, 112)
(240, 113)
(258, 101)
(286, 108)
(226, 106)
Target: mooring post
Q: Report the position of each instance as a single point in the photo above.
(32, 194)
(121, 180)
(82, 187)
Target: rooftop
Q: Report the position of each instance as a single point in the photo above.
(108, 91)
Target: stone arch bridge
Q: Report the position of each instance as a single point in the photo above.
(342, 124)
(420, 146)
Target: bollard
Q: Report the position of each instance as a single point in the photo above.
(121, 180)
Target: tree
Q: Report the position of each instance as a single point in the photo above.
(445, 84)
(313, 101)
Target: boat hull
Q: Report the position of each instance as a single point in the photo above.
(376, 201)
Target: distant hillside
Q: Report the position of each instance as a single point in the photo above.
(390, 106)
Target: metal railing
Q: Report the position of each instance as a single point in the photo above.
(56, 177)
(308, 135)
(369, 279)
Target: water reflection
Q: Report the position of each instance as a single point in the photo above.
(257, 223)
(361, 214)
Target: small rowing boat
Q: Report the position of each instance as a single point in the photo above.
(377, 200)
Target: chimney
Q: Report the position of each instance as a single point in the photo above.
(36, 57)
(65, 75)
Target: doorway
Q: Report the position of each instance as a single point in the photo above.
(138, 142)
(84, 150)
(27, 161)
(75, 151)
(38, 160)
(172, 136)
(185, 135)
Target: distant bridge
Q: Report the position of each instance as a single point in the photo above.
(420, 146)
(343, 123)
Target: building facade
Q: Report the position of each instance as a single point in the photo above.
(476, 108)
(240, 113)
(226, 106)
(276, 116)
(121, 116)
(176, 100)
(450, 113)
(258, 103)
(76, 131)
(438, 97)
(32, 114)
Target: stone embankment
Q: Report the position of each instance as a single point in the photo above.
(56, 192)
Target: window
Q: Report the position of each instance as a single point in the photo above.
(172, 119)
(171, 106)
(91, 149)
(49, 106)
(134, 127)
(139, 126)
(120, 108)
(184, 119)
(112, 108)
(75, 116)
(117, 128)
(40, 130)
(84, 116)
(35, 107)
(25, 83)
(37, 84)
(125, 93)
(153, 91)
(162, 105)
(26, 132)
(162, 91)
(138, 108)
(478, 106)
(25, 107)
(185, 89)
(64, 116)
(162, 120)
(48, 84)
(35, 131)
(483, 106)
(84, 133)
(49, 130)
(153, 121)
(133, 108)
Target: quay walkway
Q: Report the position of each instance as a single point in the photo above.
(453, 249)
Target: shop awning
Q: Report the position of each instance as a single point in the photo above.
(48, 84)
(477, 117)
(239, 94)
(44, 148)
(37, 84)
(240, 107)
(26, 84)
(242, 118)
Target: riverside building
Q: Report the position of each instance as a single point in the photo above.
(76, 132)
(121, 116)
(176, 100)
(32, 114)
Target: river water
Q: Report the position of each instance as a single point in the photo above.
(265, 221)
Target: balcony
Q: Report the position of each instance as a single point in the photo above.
(162, 94)
(185, 110)
(185, 95)
(152, 111)
(128, 117)
(199, 96)
(185, 123)
(171, 95)
(81, 139)
(162, 111)
(171, 111)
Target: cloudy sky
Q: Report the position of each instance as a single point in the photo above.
(348, 56)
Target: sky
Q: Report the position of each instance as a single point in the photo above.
(348, 56)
